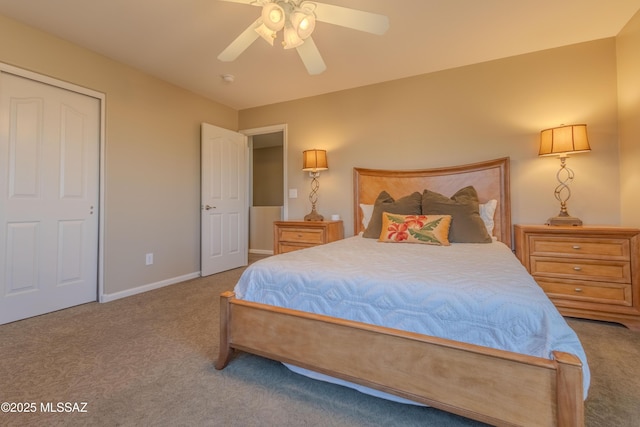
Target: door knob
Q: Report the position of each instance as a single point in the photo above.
(207, 207)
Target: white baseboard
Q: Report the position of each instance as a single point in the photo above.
(149, 287)
(260, 251)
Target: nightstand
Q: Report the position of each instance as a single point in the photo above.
(291, 236)
(588, 272)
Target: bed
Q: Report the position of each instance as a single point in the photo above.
(497, 382)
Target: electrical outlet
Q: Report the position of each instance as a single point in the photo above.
(149, 259)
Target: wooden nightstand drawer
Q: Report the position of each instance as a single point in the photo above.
(289, 236)
(313, 236)
(614, 271)
(601, 293)
(283, 248)
(580, 247)
(587, 271)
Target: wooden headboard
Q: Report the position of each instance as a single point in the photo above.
(490, 179)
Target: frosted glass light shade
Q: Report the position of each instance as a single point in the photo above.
(304, 23)
(273, 16)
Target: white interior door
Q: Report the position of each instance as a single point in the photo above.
(224, 205)
(49, 193)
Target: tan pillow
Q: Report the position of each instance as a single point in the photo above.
(408, 205)
(427, 229)
(466, 224)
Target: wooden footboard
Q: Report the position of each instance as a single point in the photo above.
(488, 385)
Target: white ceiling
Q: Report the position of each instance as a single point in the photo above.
(179, 40)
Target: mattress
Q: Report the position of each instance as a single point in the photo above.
(474, 293)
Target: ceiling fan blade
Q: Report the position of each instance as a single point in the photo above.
(241, 43)
(311, 57)
(350, 18)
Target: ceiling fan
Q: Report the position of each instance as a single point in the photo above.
(298, 19)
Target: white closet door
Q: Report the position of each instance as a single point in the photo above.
(49, 194)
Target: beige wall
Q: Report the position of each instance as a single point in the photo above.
(465, 115)
(456, 116)
(152, 156)
(628, 48)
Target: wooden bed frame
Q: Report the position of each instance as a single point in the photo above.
(493, 386)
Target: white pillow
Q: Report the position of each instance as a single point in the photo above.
(367, 211)
(487, 210)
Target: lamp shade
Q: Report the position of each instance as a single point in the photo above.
(291, 38)
(273, 16)
(314, 160)
(304, 22)
(266, 33)
(564, 140)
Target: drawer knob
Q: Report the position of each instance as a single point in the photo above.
(576, 247)
(578, 289)
(577, 268)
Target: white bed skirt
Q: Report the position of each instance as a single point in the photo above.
(366, 390)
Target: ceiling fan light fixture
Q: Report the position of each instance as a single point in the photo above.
(266, 33)
(304, 22)
(273, 16)
(297, 19)
(291, 38)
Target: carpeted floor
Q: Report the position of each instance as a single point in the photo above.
(147, 360)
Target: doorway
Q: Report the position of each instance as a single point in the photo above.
(267, 201)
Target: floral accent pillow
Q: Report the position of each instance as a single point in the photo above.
(427, 229)
(407, 205)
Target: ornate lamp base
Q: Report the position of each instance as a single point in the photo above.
(562, 194)
(313, 198)
(564, 220)
(313, 216)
